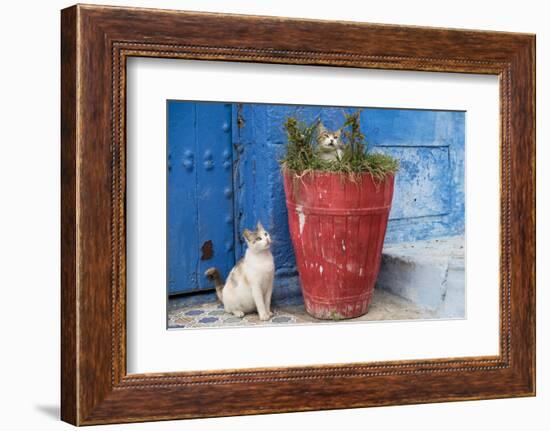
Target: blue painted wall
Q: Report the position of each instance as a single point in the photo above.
(429, 192)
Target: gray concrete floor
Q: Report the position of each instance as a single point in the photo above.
(204, 311)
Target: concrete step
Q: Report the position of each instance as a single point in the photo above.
(428, 273)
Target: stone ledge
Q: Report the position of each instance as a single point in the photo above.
(428, 273)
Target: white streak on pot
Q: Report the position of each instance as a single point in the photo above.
(301, 217)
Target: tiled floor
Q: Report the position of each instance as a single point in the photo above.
(204, 311)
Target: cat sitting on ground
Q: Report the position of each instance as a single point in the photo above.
(329, 143)
(249, 285)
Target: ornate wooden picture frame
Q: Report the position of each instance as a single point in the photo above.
(96, 42)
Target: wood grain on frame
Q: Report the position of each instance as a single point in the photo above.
(95, 42)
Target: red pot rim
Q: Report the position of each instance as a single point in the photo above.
(289, 172)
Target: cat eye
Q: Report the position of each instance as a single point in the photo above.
(258, 239)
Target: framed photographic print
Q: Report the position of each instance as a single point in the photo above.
(286, 207)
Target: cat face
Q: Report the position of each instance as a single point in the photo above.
(259, 239)
(329, 142)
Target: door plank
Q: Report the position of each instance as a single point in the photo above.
(182, 197)
(215, 192)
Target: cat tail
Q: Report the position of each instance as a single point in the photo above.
(214, 274)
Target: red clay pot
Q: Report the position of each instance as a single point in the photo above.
(337, 228)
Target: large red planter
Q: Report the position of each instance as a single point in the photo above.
(337, 228)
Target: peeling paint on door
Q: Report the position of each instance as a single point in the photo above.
(207, 250)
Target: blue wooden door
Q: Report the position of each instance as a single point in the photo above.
(200, 193)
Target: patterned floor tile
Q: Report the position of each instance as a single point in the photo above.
(205, 311)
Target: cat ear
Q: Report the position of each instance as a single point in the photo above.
(247, 234)
(321, 127)
(259, 226)
(338, 132)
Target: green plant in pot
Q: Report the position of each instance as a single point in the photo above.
(338, 198)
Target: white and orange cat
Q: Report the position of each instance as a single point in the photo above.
(249, 285)
(330, 145)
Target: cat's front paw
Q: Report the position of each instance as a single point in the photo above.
(238, 313)
(265, 316)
